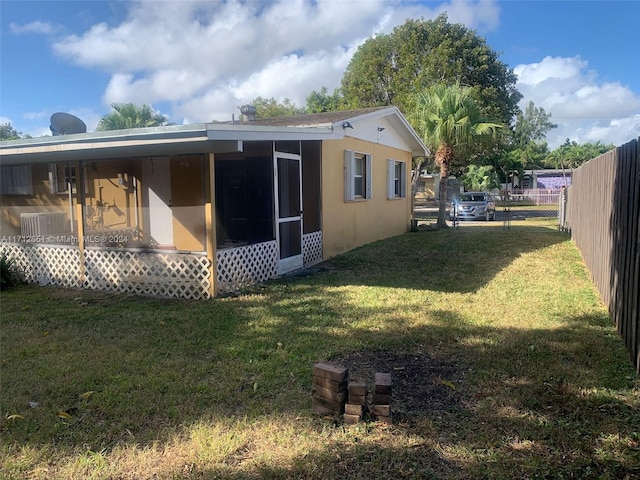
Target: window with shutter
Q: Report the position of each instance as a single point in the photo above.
(357, 177)
(396, 179)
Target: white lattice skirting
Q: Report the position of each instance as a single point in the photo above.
(243, 266)
(178, 275)
(250, 264)
(312, 248)
(46, 264)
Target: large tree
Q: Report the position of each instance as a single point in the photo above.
(270, 107)
(572, 155)
(524, 147)
(450, 121)
(321, 101)
(532, 125)
(391, 69)
(129, 115)
(480, 178)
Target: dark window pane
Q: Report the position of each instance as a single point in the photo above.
(289, 191)
(290, 239)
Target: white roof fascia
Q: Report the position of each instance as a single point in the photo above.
(106, 144)
(400, 123)
(248, 132)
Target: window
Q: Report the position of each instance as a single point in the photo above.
(16, 180)
(397, 179)
(60, 176)
(357, 179)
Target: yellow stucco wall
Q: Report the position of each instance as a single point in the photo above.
(426, 189)
(346, 225)
(187, 196)
(110, 201)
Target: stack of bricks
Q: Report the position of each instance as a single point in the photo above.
(329, 389)
(381, 407)
(355, 407)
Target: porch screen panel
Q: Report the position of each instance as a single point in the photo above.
(288, 178)
(244, 200)
(290, 239)
(311, 194)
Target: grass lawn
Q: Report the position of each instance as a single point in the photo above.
(505, 360)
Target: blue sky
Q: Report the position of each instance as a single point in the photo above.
(197, 61)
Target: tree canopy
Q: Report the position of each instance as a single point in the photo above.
(129, 115)
(321, 101)
(524, 146)
(532, 125)
(572, 155)
(391, 69)
(270, 107)
(480, 178)
(7, 132)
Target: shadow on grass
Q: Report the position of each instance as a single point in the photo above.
(461, 260)
(528, 402)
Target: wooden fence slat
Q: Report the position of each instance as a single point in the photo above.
(603, 215)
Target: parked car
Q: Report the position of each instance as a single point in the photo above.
(473, 205)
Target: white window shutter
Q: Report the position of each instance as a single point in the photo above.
(403, 179)
(391, 184)
(348, 175)
(368, 174)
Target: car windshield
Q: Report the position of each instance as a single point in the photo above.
(472, 197)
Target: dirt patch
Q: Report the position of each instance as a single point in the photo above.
(423, 385)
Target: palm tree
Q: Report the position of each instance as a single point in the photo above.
(450, 121)
(128, 115)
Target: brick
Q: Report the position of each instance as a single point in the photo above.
(330, 384)
(357, 387)
(331, 371)
(382, 419)
(351, 418)
(335, 406)
(383, 383)
(358, 399)
(352, 409)
(381, 410)
(381, 399)
(321, 410)
(330, 394)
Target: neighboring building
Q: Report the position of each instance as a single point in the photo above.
(543, 179)
(428, 187)
(195, 210)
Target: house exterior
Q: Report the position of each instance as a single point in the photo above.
(546, 179)
(428, 187)
(192, 211)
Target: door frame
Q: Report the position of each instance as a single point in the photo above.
(296, 261)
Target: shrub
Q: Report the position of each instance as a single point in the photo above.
(8, 277)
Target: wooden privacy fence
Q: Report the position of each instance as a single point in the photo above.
(602, 214)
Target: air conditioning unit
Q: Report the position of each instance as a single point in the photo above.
(38, 224)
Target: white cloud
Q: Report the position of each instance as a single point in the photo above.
(34, 27)
(206, 58)
(585, 108)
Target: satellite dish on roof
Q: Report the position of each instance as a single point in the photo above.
(66, 124)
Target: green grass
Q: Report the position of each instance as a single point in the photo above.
(222, 389)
